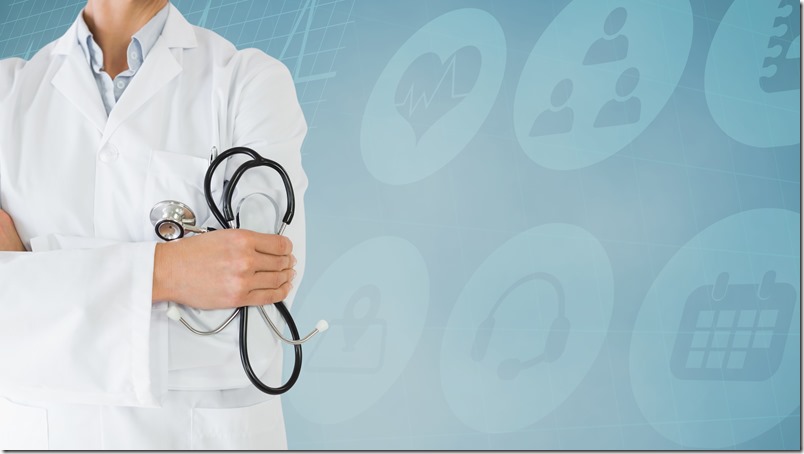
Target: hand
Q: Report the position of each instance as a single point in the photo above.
(9, 238)
(224, 269)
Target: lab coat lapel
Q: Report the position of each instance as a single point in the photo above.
(74, 80)
(159, 68)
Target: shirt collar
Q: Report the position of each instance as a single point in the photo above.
(143, 40)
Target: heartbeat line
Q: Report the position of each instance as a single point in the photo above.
(309, 7)
(425, 99)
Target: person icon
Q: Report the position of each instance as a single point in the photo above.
(556, 120)
(613, 46)
(617, 112)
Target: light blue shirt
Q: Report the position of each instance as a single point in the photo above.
(141, 44)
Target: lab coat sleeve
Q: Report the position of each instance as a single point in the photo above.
(266, 116)
(76, 326)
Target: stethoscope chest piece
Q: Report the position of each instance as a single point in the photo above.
(172, 219)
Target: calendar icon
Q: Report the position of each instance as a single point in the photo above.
(734, 332)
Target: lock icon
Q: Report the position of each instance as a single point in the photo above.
(357, 341)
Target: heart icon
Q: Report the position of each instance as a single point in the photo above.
(430, 88)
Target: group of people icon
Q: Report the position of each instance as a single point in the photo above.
(623, 109)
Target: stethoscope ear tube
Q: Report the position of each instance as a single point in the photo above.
(213, 166)
(227, 216)
(230, 188)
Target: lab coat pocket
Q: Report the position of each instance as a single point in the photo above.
(179, 177)
(258, 427)
(22, 427)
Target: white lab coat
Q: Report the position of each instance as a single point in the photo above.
(86, 362)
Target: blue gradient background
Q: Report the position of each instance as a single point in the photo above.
(429, 197)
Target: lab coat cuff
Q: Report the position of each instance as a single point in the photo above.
(147, 330)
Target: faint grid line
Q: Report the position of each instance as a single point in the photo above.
(304, 13)
(789, 334)
(319, 51)
(768, 127)
(465, 228)
(243, 26)
(270, 16)
(575, 428)
(746, 240)
(233, 7)
(332, 64)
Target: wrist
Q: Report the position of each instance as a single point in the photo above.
(164, 274)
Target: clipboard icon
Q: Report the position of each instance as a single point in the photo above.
(784, 50)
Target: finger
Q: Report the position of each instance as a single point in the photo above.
(266, 262)
(273, 244)
(268, 296)
(270, 280)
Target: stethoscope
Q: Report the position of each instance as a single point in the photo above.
(172, 220)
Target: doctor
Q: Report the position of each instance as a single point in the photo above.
(121, 112)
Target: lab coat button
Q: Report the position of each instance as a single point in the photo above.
(108, 154)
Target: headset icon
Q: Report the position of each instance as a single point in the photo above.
(554, 345)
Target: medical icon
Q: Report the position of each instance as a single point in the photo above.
(612, 47)
(604, 82)
(376, 296)
(556, 340)
(733, 331)
(357, 344)
(527, 328)
(715, 347)
(559, 118)
(618, 112)
(433, 96)
(784, 47)
(430, 88)
(753, 73)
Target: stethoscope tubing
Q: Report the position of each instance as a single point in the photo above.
(226, 220)
(244, 359)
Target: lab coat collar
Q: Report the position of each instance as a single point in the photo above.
(177, 33)
(75, 80)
